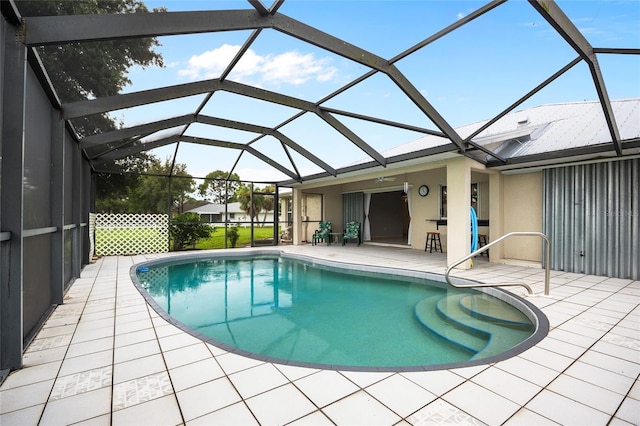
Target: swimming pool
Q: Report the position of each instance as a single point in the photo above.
(301, 311)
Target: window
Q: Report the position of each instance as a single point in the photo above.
(474, 196)
(443, 199)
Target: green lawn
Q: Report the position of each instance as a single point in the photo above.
(216, 241)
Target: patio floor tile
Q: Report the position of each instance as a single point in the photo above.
(401, 395)
(326, 387)
(587, 393)
(76, 408)
(360, 409)
(157, 412)
(280, 406)
(481, 403)
(258, 379)
(440, 412)
(584, 372)
(196, 373)
(237, 414)
(566, 411)
(206, 398)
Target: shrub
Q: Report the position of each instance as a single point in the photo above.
(233, 235)
(186, 229)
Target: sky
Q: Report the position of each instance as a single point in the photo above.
(469, 75)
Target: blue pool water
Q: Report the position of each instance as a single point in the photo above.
(293, 310)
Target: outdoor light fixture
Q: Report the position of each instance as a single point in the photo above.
(405, 190)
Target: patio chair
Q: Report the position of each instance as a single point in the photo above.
(351, 232)
(323, 233)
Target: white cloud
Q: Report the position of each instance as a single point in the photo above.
(290, 67)
(210, 63)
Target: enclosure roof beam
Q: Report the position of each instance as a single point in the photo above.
(563, 25)
(266, 131)
(242, 147)
(64, 29)
(131, 132)
(98, 151)
(514, 106)
(134, 148)
(382, 121)
(355, 139)
(454, 26)
(129, 100)
(259, 6)
(333, 44)
(49, 30)
(213, 142)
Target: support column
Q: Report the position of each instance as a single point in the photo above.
(496, 215)
(12, 126)
(57, 208)
(296, 200)
(458, 215)
(78, 215)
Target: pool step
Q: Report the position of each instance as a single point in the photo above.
(427, 313)
(484, 326)
(492, 309)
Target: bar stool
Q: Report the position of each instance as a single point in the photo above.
(482, 241)
(433, 242)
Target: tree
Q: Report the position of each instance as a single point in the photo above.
(92, 69)
(267, 202)
(244, 197)
(113, 190)
(152, 193)
(214, 186)
(186, 229)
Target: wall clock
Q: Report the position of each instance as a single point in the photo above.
(423, 190)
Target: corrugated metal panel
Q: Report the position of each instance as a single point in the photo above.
(592, 217)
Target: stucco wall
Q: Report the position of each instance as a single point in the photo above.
(321, 204)
(426, 210)
(523, 212)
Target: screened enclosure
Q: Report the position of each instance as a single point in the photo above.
(282, 95)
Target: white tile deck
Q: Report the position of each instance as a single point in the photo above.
(105, 357)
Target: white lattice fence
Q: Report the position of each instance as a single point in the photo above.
(125, 234)
(92, 234)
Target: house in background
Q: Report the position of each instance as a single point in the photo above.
(233, 213)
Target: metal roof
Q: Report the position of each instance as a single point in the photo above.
(542, 129)
(213, 208)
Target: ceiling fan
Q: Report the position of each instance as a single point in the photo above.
(384, 179)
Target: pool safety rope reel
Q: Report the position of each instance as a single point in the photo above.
(474, 231)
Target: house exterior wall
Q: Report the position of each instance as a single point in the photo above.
(332, 207)
(426, 210)
(522, 211)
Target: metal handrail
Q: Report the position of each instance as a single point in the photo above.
(486, 247)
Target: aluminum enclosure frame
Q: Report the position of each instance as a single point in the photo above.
(43, 31)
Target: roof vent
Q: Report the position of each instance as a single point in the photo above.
(523, 122)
